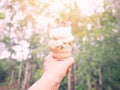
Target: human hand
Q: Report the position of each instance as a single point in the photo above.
(57, 69)
(54, 71)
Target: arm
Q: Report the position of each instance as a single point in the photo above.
(45, 83)
(54, 72)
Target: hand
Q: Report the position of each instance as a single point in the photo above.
(57, 69)
(54, 71)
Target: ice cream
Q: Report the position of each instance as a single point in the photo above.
(61, 42)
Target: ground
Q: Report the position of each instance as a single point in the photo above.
(9, 87)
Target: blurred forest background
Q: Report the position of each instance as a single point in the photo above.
(24, 36)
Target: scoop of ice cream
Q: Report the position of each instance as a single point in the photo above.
(61, 33)
(60, 46)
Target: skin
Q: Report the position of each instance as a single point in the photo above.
(54, 71)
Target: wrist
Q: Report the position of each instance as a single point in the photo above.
(51, 81)
(53, 76)
(45, 83)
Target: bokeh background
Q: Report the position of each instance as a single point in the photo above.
(24, 36)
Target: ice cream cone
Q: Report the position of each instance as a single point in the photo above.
(61, 56)
(61, 43)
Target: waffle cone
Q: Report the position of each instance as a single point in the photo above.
(61, 55)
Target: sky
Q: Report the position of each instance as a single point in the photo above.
(87, 7)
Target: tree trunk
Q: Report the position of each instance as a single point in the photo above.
(26, 77)
(109, 77)
(73, 78)
(19, 74)
(100, 79)
(11, 73)
(29, 76)
(69, 81)
(11, 77)
(89, 84)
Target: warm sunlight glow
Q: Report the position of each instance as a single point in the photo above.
(88, 7)
(55, 7)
